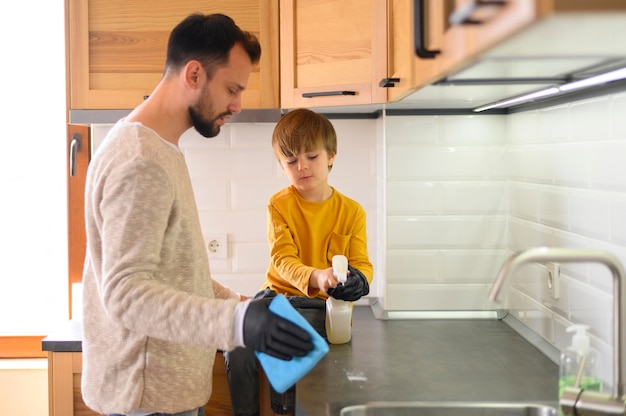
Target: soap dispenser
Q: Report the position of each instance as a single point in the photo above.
(579, 364)
(339, 312)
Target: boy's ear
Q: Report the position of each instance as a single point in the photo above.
(331, 159)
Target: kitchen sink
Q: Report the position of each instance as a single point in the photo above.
(448, 409)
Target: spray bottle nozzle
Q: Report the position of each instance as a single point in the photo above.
(340, 267)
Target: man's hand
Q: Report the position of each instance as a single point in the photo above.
(267, 332)
(353, 289)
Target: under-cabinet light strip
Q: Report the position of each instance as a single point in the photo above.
(615, 75)
(595, 80)
(519, 99)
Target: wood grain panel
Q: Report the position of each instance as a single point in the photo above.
(127, 51)
(332, 45)
(118, 48)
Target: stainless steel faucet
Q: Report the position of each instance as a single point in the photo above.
(576, 401)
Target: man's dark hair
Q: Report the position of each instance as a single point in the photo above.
(208, 39)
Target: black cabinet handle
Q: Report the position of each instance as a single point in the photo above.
(327, 93)
(462, 16)
(75, 147)
(418, 31)
(388, 82)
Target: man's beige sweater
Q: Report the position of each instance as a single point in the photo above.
(152, 322)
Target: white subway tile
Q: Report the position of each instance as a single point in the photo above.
(254, 135)
(618, 123)
(244, 284)
(212, 195)
(618, 220)
(353, 162)
(554, 207)
(554, 124)
(423, 297)
(472, 130)
(210, 164)
(588, 119)
(412, 130)
(496, 164)
(524, 200)
(591, 214)
(427, 163)
(539, 319)
(515, 302)
(251, 258)
(470, 266)
(253, 195)
(412, 266)
(607, 169)
(523, 235)
(354, 134)
(591, 307)
(473, 197)
(240, 226)
(413, 197)
(494, 235)
(570, 164)
(523, 128)
(435, 232)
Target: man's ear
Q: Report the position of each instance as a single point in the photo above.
(193, 73)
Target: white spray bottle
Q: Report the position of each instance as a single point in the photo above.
(339, 312)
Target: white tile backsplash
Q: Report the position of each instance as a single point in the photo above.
(561, 182)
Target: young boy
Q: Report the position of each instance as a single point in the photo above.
(308, 223)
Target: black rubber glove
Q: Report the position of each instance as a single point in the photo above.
(353, 288)
(267, 332)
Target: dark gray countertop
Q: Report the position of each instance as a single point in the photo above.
(427, 360)
(408, 360)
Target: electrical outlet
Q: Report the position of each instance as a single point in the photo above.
(217, 246)
(554, 277)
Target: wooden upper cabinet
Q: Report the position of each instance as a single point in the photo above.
(332, 52)
(428, 39)
(116, 50)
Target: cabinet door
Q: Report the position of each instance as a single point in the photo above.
(116, 48)
(429, 39)
(413, 25)
(78, 151)
(333, 52)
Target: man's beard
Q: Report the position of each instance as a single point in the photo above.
(207, 128)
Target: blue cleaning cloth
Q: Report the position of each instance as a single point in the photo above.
(283, 374)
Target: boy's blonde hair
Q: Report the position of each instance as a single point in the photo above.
(303, 130)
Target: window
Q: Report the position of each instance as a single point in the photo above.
(33, 218)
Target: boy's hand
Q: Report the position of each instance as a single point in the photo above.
(353, 289)
(323, 279)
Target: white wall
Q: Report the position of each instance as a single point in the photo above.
(446, 211)
(463, 192)
(567, 187)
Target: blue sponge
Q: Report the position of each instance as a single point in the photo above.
(283, 374)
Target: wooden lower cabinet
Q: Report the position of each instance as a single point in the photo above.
(65, 397)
